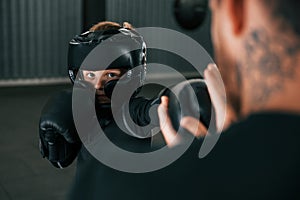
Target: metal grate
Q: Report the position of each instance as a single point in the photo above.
(155, 13)
(34, 36)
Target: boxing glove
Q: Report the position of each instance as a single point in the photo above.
(189, 98)
(59, 141)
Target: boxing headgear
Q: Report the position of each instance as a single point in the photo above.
(114, 40)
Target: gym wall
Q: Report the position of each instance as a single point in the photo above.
(34, 39)
(35, 34)
(157, 13)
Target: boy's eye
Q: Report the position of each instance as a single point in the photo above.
(91, 75)
(112, 75)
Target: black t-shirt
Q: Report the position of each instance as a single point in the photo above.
(257, 158)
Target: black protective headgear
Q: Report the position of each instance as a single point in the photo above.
(116, 40)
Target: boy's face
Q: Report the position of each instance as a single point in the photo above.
(99, 78)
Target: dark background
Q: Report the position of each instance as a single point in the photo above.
(35, 34)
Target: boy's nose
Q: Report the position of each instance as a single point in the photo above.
(100, 83)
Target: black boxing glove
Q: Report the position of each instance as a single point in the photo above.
(59, 141)
(189, 98)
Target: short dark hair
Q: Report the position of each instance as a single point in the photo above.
(287, 10)
(108, 25)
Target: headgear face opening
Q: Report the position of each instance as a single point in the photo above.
(120, 40)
